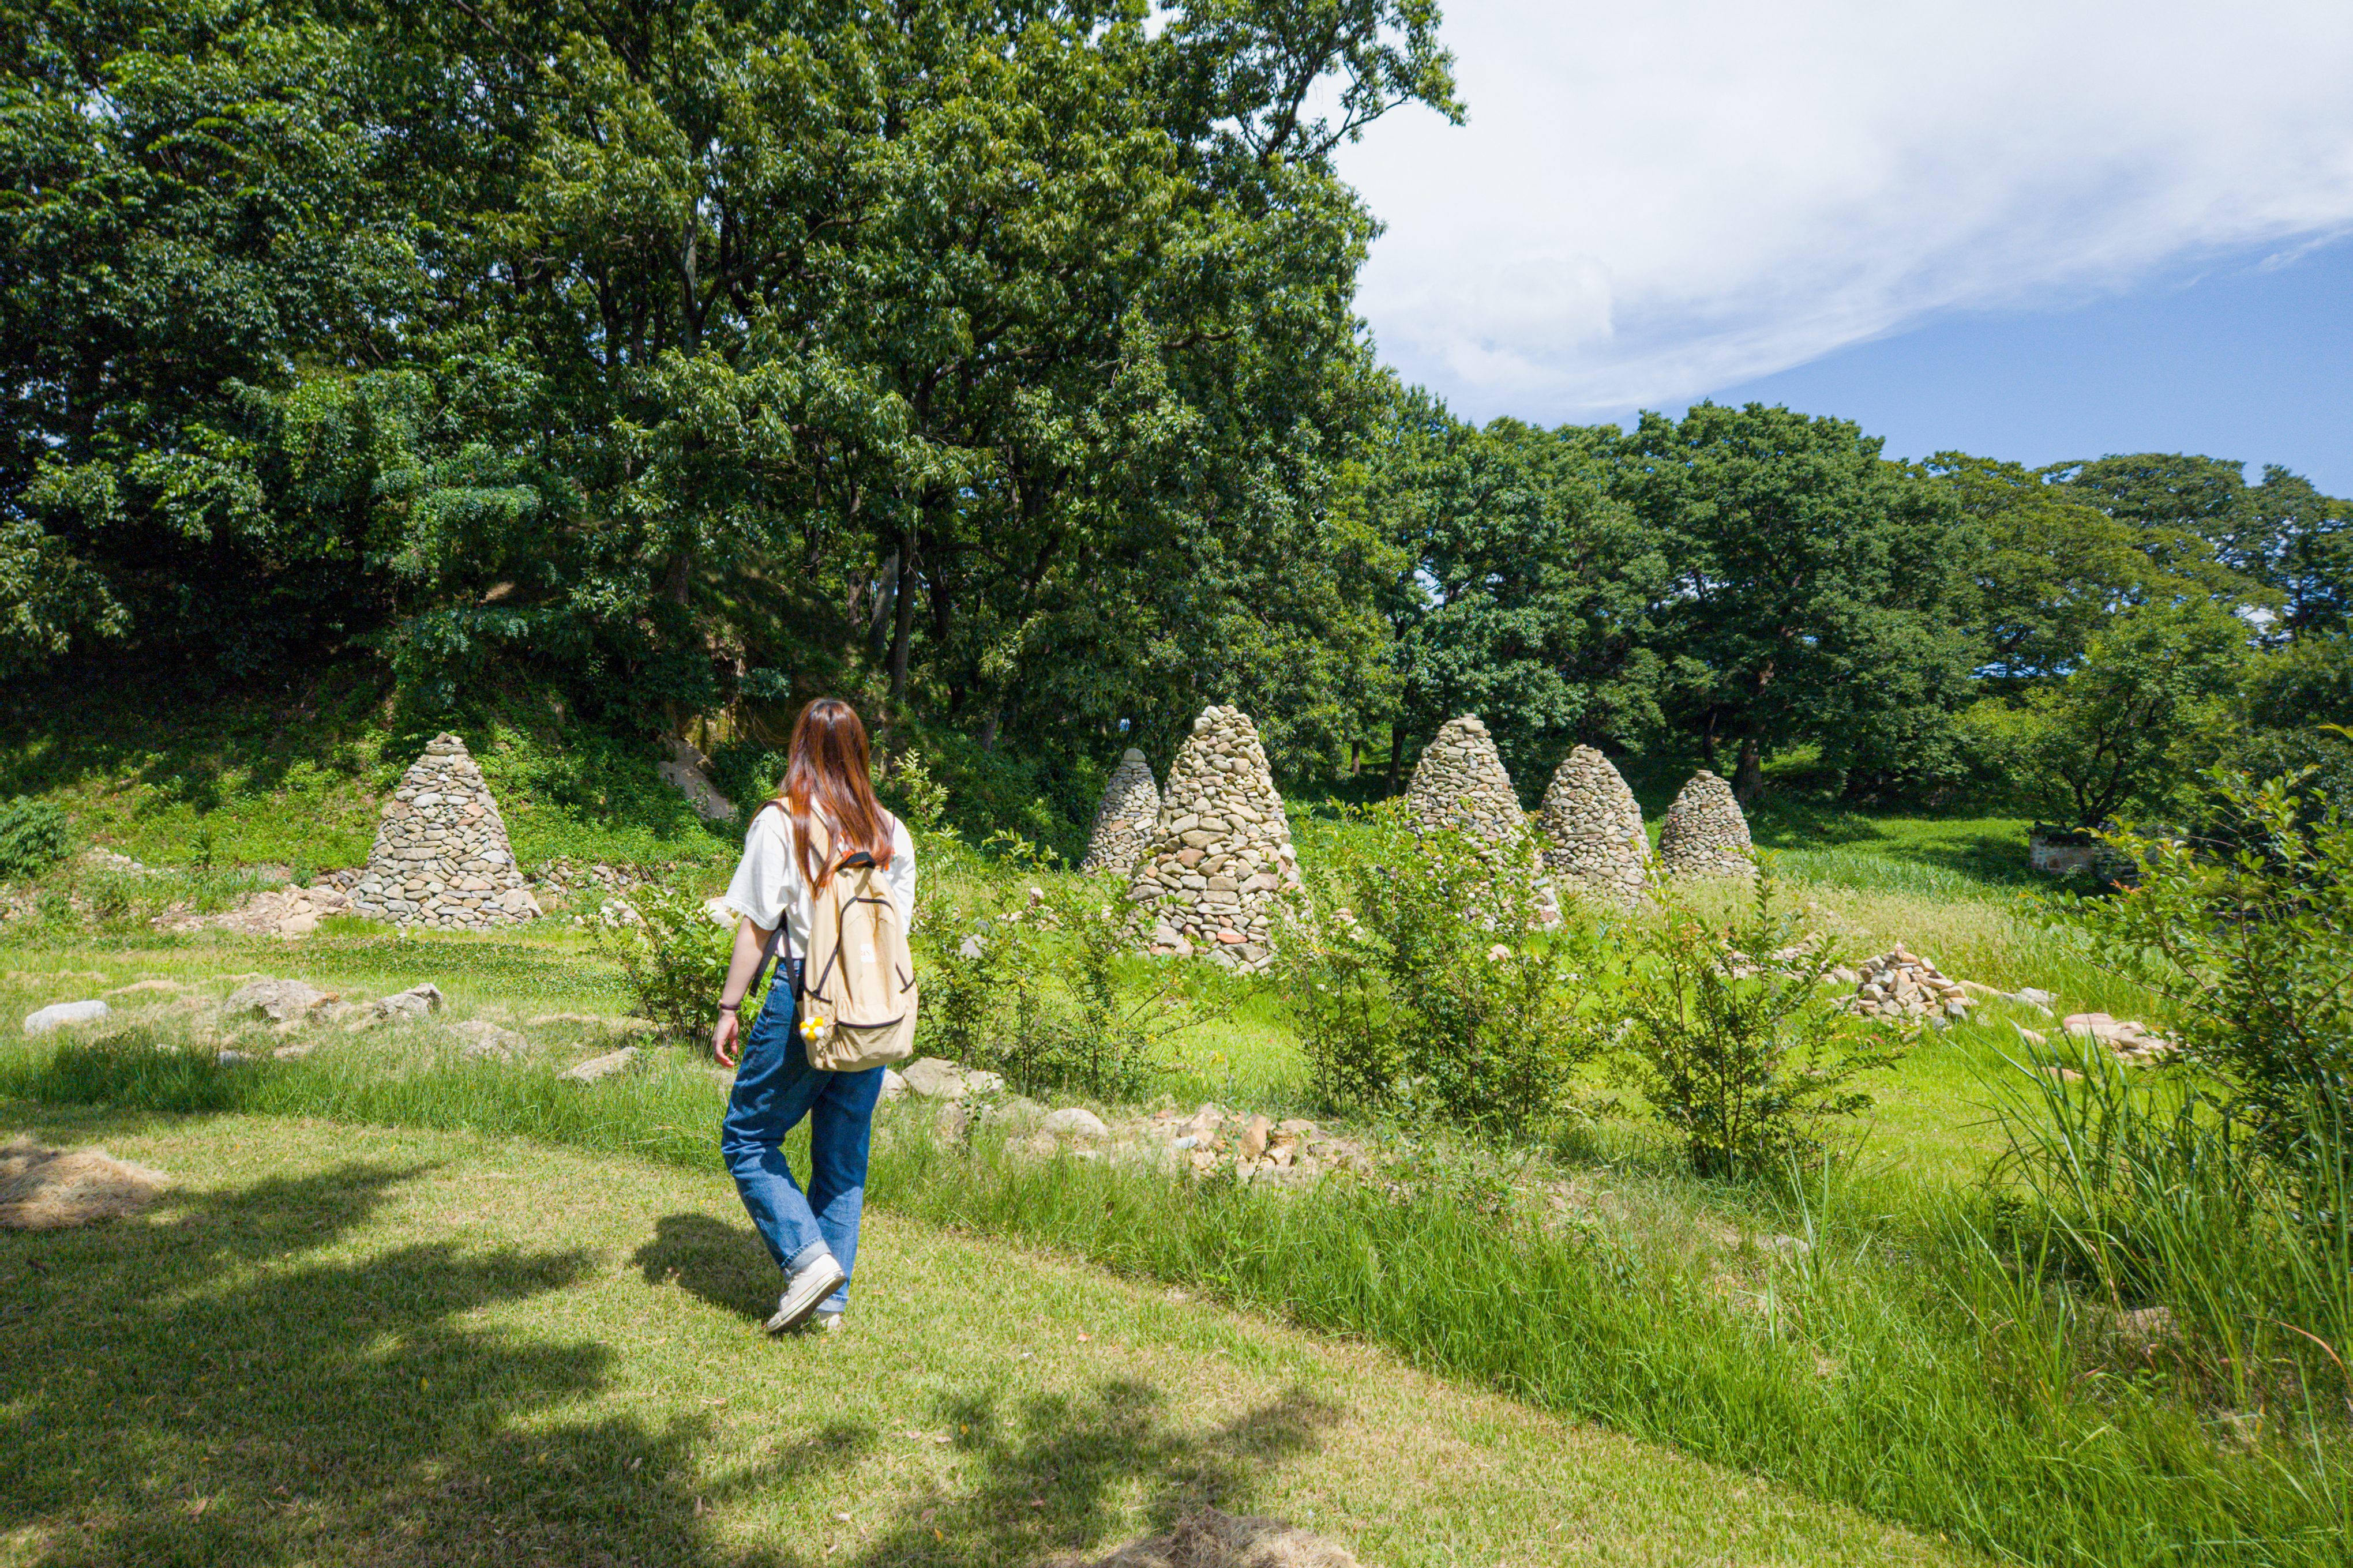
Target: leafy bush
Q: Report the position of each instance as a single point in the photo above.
(33, 837)
(1433, 988)
(2251, 945)
(672, 955)
(1736, 1044)
(1040, 982)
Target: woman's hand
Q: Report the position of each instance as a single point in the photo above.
(723, 1035)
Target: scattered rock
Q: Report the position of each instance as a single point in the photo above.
(934, 1078)
(1124, 819)
(285, 1003)
(2033, 998)
(441, 855)
(1075, 1124)
(1593, 830)
(482, 1040)
(54, 1189)
(1705, 834)
(893, 1086)
(1253, 1140)
(2126, 1040)
(1221, 848)
(416, 1002)
(689, 772)
(597, 1068)
(231, 1059)
(1019, 1114)
(1213, 1539)
(58, 1014)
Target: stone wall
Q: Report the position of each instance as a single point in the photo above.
(441, 856)
(1124, 820)
(1705, 834)
(1593, 830)
(1221, 848)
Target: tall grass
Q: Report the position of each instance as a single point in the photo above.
(1930, 1387)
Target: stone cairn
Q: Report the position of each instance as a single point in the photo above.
(1902, 985)
(441, 856)
(1593, 830)
(1221, 848)
(1461, 782)
(1123, 822)
(1704, 834)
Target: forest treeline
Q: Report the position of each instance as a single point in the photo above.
(631, 361)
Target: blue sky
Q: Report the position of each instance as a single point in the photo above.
(2031, 229)
(2238, 361)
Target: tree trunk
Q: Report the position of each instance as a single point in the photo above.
(1748, 774)
(1707, 743)
(903, 622)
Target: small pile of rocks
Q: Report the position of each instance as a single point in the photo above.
(2127, 1040)
(1123, 822)
(280, 911)
(441, 856)
(1705, 834)
(1902, 984)
(1221, 850)
(1593, 830)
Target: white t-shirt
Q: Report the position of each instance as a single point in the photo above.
(767, 884)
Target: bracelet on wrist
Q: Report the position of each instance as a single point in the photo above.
(731, 1006)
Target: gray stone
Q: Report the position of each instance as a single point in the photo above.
(597, 1069)
(1076, 1124)
(58, 1015)
(416, 1002)
(893, 1086)
(482, 1040)
(281, 1001)
(930, 1078)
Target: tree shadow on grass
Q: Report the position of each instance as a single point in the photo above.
(1054, 1474)
(724, 1263)
(225, 1384)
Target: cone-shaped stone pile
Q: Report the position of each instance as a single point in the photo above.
(1461, 782)
(1593, 830)
(1705, 834)
(441, 856)
(1123, 822)
(1221, 848)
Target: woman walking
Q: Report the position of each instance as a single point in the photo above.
(812, 1233)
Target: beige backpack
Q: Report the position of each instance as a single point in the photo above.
(858, 979)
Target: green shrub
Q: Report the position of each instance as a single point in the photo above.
(33, 837)
(1735, 1042)
(1420, 981)
(2250, 946)
(672, 954)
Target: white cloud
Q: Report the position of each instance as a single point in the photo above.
(1652, 202)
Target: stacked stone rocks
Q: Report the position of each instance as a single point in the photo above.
(1902, 984)
(1705, 834)
(1593, 830)
(1221, 848)
(441, 855)
(1461, 782)
(1123, 822)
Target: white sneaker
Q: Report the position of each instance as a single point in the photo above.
(804, 1291)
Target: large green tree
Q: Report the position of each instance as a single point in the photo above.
(1818, 590)
(1520, 587)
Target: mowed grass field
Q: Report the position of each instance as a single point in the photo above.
(334, 1344)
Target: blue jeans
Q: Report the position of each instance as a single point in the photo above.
(774, 1087)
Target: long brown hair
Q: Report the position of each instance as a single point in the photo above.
(827, 770)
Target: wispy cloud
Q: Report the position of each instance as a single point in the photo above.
(1653, 202)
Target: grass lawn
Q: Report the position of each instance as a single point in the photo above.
(332, 1344)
